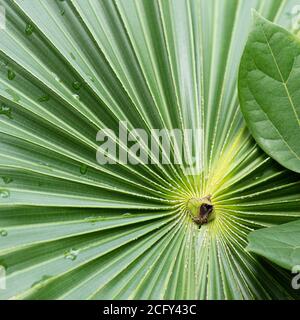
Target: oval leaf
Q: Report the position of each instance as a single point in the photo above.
(280, 244)
(269, 91)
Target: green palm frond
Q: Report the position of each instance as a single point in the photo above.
(74, 229)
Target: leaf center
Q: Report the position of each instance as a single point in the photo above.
(201, 210)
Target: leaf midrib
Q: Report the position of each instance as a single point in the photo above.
(281, 76)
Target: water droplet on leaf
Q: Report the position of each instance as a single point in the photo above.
(91, 78)
(127, 215)
(4, 194)
(71, 254)
(29, 29)
(76, 85)
(259, 176)
(44, 98)
(3, 233)
(83, 168)
(45, 165)
(5, 110)
(76, 96)
(10, 74)
(7, 180)
(14, 96)
(39, 282)
(93, 219)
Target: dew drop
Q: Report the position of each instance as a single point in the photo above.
(71, 254)
(126, 215)
(4, 194)
(75, 96)
(5, 110)
(76, 85)
(3, 233)
(10, 74)
(83, 168)
(39, 282)
(14, 96)
(42, 163)
(29, 29)
(7, 180)
(93, 219)
(258, 176)
(45, 165)
(91, 78)
(44, 98)
(62, 12)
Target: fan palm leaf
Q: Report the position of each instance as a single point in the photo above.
(75, 229)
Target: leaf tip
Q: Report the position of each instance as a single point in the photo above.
(255, 15)
(258, 18)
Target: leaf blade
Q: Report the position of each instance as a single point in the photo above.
(279, 244)
(268, 71)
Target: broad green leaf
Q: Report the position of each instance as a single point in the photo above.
(280, 244)
(74, 229)
(269, 91)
